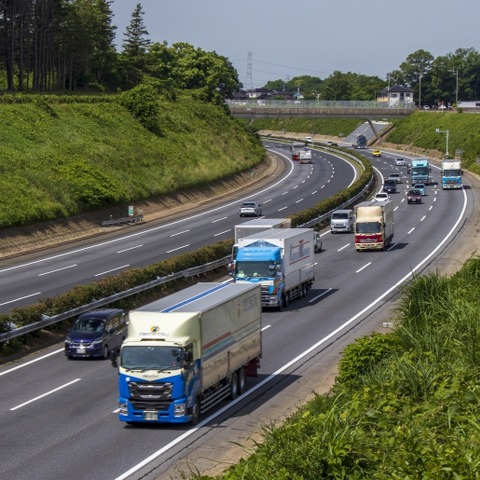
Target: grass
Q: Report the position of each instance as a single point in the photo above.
(71, 158)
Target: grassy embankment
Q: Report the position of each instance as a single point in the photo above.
(62, 159)
(416, 132)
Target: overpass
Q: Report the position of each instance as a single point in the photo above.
(317, 109)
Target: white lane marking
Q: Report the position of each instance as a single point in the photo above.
(31, 361)
(219, 219)
(395, 209)
(111, 270)
(280, 209)
(131, 248)
(57, 270)
(296, 186)
(222, 233)
(268, 201)
(313, 193)
(45, 394)
(410, 231)
(266, 327)
(430, 207)
(300, 200)
(178, 248)
(423, 218)
(21, 298)
(343, 248)
(179, 233)
(365, 266)
(321, 295)
(284, 193)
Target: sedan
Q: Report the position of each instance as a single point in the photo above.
(421, 187)
(377, 153)
(414, 196)
(400, 162)
(381, 197)
(251, 209)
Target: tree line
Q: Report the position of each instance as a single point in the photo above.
(68, 46)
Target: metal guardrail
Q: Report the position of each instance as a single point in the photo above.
(118, 221)
(46, 320)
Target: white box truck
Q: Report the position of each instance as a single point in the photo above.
(281, 260)
(373, 225)
(451, 174)
(188, 351)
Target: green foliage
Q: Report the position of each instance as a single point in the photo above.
(142, 102)
(60, 157)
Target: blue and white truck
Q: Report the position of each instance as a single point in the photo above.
(451, 174)
(188, 351)
(281, 260)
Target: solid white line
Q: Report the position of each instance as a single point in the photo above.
(57, 270)
(365, 266)
(45, 394)
(21, 298)
(112, 270)
(179, 233)
(128, 249)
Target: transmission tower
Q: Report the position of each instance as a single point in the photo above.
(249, 79)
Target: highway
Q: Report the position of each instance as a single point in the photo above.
(49, 274)
(59, 417)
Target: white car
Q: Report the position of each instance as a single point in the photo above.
(400, 162)
(381, 197)
(251, 209)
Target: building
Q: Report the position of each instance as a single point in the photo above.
(396, 95)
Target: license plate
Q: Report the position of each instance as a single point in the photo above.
(150, 416)
(365, 240)
(80, 350)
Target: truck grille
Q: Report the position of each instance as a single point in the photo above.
(150, 395)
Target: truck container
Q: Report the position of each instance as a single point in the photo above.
(305, 156)
(373, 225)
(361, 142)
(188, 351)
(451, 174)
(280, 260)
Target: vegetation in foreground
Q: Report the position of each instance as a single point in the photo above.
(405, 405)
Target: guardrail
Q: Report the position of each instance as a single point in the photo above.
(118, 221)
(46, 320)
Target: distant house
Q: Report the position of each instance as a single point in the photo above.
(396, 95)
(470, 106)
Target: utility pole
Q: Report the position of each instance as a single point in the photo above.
(455, 72)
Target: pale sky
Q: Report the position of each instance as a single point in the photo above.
(309, 37)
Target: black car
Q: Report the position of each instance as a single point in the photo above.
(96, 333)
(390, 186)
(414, 196)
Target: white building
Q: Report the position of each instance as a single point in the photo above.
(396, 95)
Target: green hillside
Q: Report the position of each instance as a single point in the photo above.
(60, 159)
(417, 130)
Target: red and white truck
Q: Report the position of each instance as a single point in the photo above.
(373, 225)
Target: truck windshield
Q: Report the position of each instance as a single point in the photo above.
(368, 227)
(245, 269)
(452, 173)
(150, 358)
(420, 171)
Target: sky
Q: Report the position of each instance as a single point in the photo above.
(275, 39)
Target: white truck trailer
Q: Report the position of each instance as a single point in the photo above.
(373, 225)
(280, 260)
(188, 351)
(258, 225)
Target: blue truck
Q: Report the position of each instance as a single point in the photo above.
(451, 174)
(188, 351)
(281, 260)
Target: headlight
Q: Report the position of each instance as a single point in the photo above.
(179, 409)
(68, 341)
(96, 342)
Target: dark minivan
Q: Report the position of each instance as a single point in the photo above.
(96, 333)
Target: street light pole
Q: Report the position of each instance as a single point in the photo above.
(420, 91)
(447, 132)
(455, 71)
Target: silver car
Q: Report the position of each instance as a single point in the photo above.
(251, 209)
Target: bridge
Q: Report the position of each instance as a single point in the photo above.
(317, 109)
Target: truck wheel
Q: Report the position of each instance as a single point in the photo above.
(195, 412)
(285, 300)
(233, 386)
(242, 380)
